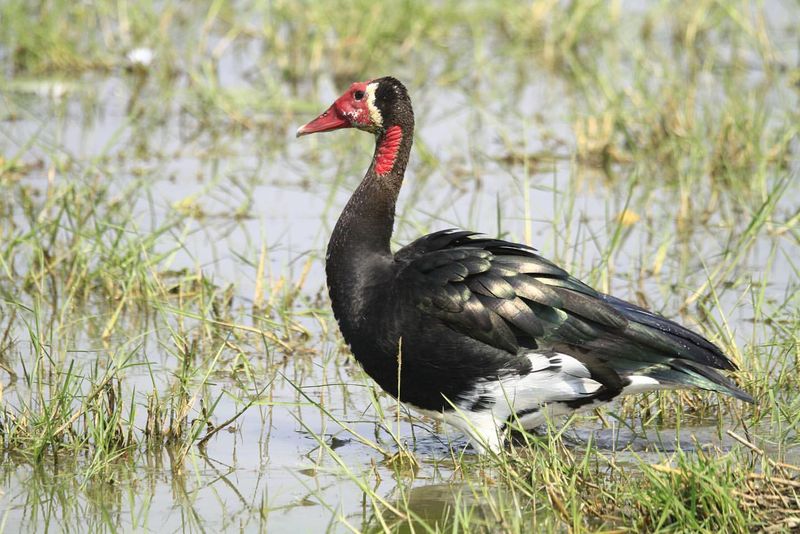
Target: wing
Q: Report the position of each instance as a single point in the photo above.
(507, 296)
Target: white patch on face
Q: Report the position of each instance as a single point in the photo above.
(374, 112)
(355, 116)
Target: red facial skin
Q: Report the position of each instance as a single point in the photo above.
(346, 112)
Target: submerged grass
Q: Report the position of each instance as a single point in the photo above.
(153, 322)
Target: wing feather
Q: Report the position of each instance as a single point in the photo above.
(507, 296)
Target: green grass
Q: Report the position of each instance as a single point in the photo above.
(165, 335)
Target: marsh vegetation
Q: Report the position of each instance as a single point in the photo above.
(168, 360)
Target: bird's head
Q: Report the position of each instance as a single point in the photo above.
(372, 106)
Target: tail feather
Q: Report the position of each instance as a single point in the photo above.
(669, 337)
(680, 357)
(683, 373)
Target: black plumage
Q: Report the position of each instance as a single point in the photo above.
(484, 328)
(543, 306)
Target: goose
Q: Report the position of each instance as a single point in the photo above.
(482, 333)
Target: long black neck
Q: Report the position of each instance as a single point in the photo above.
(359, 257)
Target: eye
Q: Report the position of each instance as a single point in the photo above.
(358, 95)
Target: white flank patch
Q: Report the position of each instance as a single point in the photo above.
(640, 384)
(555, 378)
(568, 380)
(374, 112)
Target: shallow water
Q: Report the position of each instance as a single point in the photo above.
(234, 190)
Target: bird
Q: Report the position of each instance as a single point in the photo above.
(481, 333)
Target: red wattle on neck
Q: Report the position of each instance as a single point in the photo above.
(387, 150)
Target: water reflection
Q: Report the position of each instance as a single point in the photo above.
(426, 507)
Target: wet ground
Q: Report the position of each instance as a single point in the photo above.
(498, 155)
